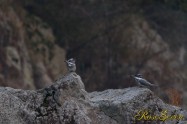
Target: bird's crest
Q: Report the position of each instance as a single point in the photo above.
(71, 60)
(139, 75)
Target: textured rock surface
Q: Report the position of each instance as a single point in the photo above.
(67, 102)
(28, 53)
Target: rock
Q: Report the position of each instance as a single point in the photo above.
(15, 66)
(29, 56)
(13, 58)
(123, 105)
(41, 77)
(67, 102)
(57, 65)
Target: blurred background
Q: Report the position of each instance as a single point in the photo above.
(110, 40)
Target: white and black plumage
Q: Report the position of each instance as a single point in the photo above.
(143, 82)
(71, 66)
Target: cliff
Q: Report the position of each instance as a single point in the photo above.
(28, 53)
(67, 102)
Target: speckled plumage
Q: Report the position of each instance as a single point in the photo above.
(143, 82)
(71, 66)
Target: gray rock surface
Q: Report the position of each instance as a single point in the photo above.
(67, 102)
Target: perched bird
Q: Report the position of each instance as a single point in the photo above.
(142, 82)
(71, 66)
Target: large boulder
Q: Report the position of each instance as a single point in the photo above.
(67, 102)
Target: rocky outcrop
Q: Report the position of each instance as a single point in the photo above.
(67, 102)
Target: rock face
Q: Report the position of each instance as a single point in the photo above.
(28, 53)
(67, 102)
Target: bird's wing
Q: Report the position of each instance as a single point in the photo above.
(71, 64)
(145, 82)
